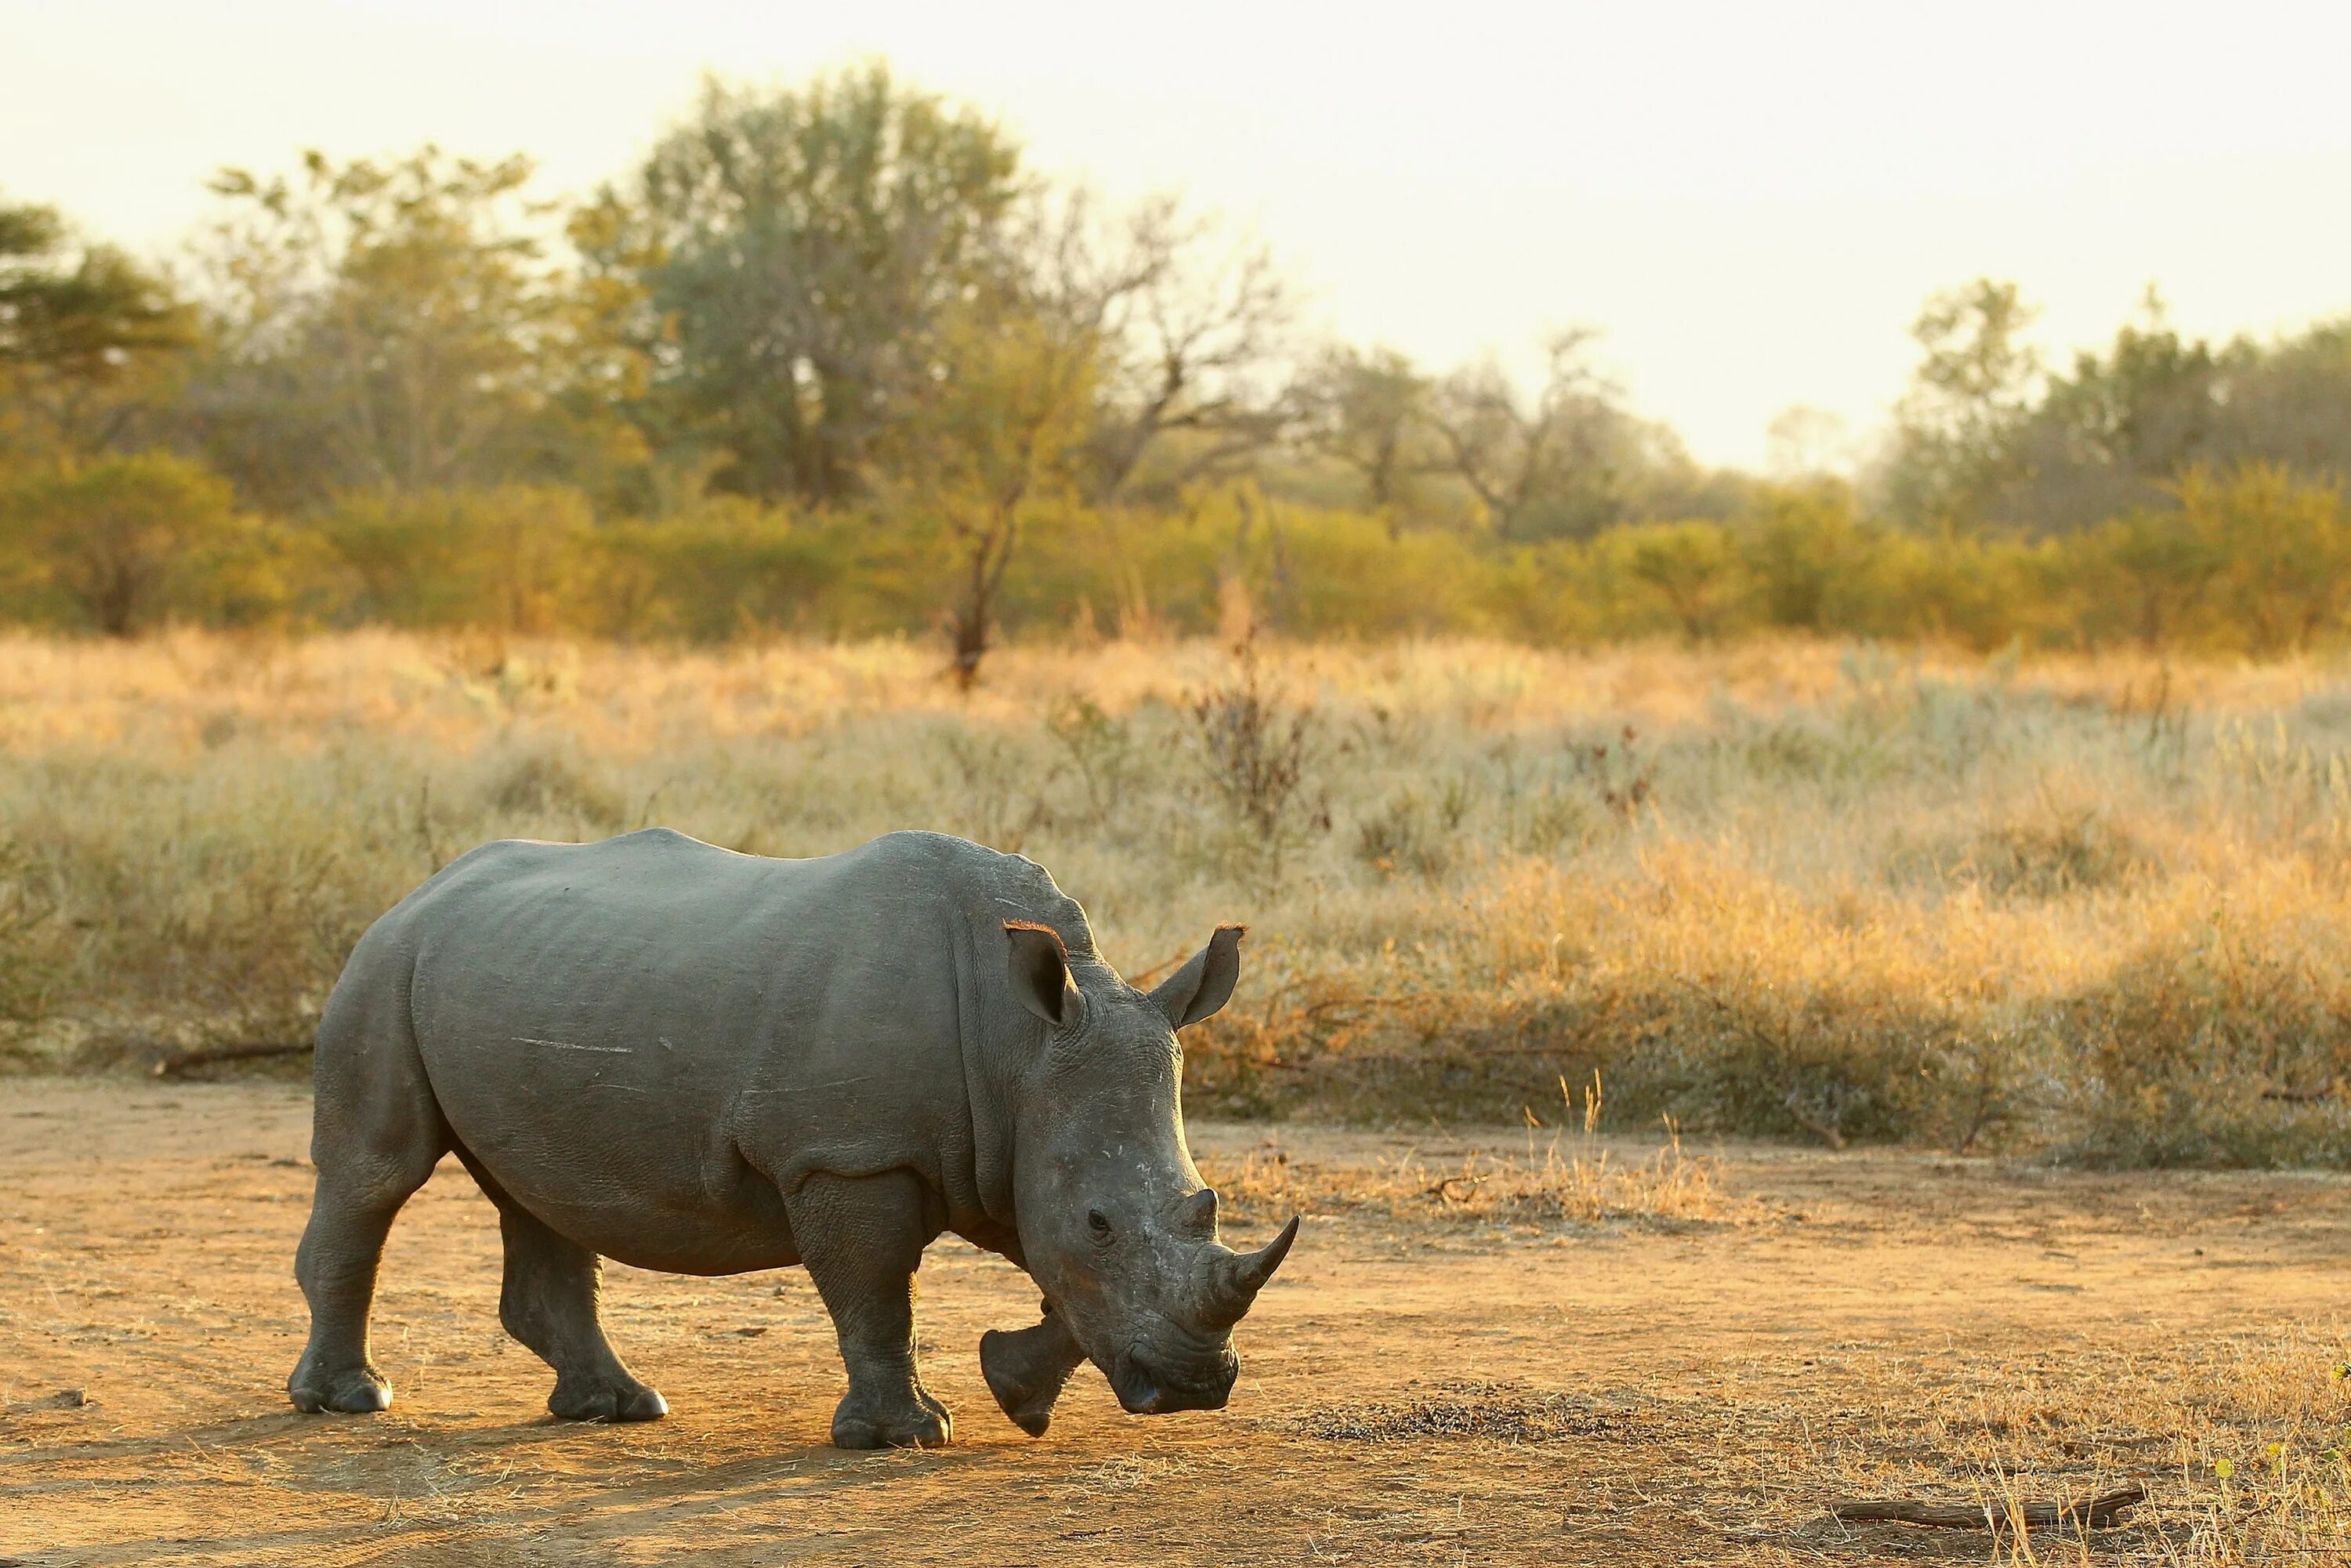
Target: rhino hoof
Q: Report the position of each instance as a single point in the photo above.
(586, 1401)
(927, 1426)
(355, 1391)
(1025, 1370)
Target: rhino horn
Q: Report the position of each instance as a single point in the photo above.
(1199, 1211)
(1244, 1274)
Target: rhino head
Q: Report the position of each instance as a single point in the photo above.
(1116, 1226)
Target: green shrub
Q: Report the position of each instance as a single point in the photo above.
(120, 545)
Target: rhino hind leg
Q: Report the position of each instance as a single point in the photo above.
(862, 1239)
(377, 1134)
(1026, 1368)
(550, 1303)
(336, 1265)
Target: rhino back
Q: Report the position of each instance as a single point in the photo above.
(647, 1041)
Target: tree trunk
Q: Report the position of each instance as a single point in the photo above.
(974, 618)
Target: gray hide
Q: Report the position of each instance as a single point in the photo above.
(706, 1062)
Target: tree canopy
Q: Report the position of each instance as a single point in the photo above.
(82, 327)
(793, 251)
(835, 352)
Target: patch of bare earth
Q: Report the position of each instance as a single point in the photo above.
(1477, 1355)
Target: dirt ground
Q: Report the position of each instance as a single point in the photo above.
(1416, 1387)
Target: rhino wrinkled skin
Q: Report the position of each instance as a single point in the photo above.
(705, 1062)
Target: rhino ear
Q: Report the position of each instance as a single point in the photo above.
(1201, 987)
(1040, 970)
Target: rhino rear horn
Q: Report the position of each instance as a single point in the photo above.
(1204, 984)
(1198, 1212)
(1040, 970)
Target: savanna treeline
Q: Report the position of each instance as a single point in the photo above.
(833, 360)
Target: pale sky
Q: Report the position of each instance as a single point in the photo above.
(1749, 200)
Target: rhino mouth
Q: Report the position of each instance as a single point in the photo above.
(1148, 1387)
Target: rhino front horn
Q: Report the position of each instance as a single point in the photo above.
(1245, 1274)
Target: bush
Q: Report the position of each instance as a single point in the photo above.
(2255, 560)
(121, 545)
(506, 560)
(1808, 559)
(1692, 570)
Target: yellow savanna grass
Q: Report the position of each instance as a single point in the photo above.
(1790, 888)
(1553, 1185)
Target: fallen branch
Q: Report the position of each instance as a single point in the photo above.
(1828, 1132)
(179, 1061)
(1443, 1191)
(2101, 1513)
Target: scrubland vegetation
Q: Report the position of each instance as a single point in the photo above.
(2255, 564)
(2092, 907)
(409, 506)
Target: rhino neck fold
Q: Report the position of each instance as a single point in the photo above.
(990, 1062)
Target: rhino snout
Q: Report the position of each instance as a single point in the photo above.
(1146, 1387)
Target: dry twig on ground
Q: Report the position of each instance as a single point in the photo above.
(2101, 1513)
(179, 1061)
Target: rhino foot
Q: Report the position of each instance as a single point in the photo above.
(352, 1391)
(926, 1424)
(1026, 1368)
(602, 1399)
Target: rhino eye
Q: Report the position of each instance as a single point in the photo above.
(1096, 1223)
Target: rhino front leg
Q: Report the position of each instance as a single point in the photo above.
(1026, 1368)
(862, 1239)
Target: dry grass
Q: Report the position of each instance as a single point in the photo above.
(2240, 1446)
(2241, 1439)
(2240, 1442)
(1549, 1184)
(1790, 889)
(1549, 1189)
(1498, 1412)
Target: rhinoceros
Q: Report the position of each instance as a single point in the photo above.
(705, 1062)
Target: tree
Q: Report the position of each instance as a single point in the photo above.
(2108, 437)
(1803, 443)
(122, 540)
(85, 333)
(1973, 387)
(995, 444)
(1369, 410)
(2288, 402)
(1564, 464)
(1983, 438)
(795, 253)
(377, 326)
(1192, 319)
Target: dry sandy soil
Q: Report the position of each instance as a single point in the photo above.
(1418, 1385)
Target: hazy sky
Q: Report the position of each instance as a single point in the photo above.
(1750, 200)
